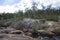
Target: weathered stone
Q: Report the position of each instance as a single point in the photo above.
(5, 23)
(45, 33)
(14, 37)
(15, 32)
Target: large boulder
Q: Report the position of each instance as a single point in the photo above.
(5, 23)
(31, 23)
(16, 32)
(6, 30)
(57, 32)
(45, 33)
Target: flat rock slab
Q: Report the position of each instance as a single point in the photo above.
(14, 37)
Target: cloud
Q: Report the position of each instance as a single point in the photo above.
(24, 4)
(14, 5)
(21, 5)
(48, 2)
(8, 8)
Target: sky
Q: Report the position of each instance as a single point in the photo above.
(12, 6)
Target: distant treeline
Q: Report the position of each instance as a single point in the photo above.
(48, 13)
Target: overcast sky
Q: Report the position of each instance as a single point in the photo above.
(15, 5)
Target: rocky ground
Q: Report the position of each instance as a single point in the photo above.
(23, 30)
(14, 37)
